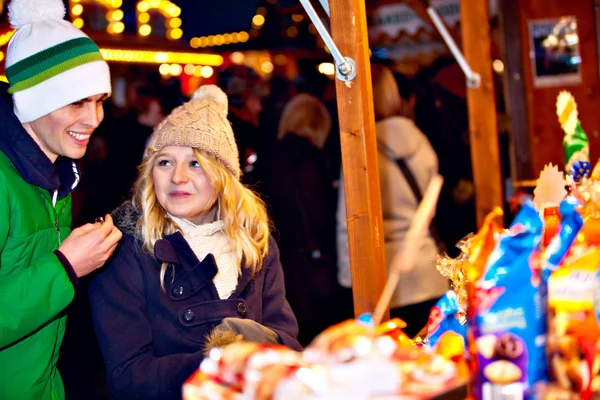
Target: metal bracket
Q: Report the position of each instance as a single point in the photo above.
(345, 66)
(473, 78)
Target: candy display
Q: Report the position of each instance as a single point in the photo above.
(522, 320)
(348, 360)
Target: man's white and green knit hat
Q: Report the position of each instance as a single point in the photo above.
(49, 62)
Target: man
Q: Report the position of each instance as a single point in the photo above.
(58, 81)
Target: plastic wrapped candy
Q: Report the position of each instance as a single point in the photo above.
(573, 328)
(445, 320)
(509, 323)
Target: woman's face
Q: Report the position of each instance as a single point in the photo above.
(181, 186)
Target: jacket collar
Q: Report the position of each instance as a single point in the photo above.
(27, 157)
(174, 249)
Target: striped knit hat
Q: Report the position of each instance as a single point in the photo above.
(49, 62)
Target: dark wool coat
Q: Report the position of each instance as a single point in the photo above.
(153, 341)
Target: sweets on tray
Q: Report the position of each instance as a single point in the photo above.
(348, 360)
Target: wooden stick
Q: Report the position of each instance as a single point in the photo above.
(405, 259)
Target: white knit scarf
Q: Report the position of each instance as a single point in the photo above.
(208, 239)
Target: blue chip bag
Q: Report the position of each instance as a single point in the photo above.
(444, 318)
(509, 324)
(570, 225)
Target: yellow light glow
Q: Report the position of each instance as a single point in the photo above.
(1, 56)
(206, 71)
(327, 69)
(198, 71)
(498, 66)
(154, 3)
(118, 27)
(4, 38)
(244, 36)
(227, 38)
(77, 9)
(161, 57)
(194, 43)
(117, 3)
(144, 17)
(237, 57)
(143, 6)
(235, 38)
(145, 30)
(210, 40)
(176, 12)
(292, 31)
(267, 67)
(189, 69)
(258, 20)
(175, 22)
(176, 70)
(203, 41)
(3, 78)
(219, 40)
(297, 17)
(78, 22)
(117, 15)
(175, 34)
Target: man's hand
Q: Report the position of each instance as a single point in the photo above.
(89, 246)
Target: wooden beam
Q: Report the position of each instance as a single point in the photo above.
(483, 129)
(514, 84)
(359, 157)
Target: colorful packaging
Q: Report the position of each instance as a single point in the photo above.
(509, 323)
(446, 319)
(573, 324)
(569, 227)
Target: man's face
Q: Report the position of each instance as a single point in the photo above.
(66, 132)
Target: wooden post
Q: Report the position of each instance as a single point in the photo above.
(359, 157)
(483, 129)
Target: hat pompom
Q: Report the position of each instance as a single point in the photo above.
(212, 93)
(25, 12)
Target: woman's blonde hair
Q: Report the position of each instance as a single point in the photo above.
(305, 116)
(243, 213)
(386, 95)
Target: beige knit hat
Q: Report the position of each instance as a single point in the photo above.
(200, 123)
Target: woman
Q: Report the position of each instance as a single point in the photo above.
(200, 257)
(399, 138)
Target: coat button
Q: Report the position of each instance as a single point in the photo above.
(242, 309)
(189, 315)
(177, 291)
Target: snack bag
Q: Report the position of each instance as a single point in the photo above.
(573, 329)
(509, 322)
(446, 321)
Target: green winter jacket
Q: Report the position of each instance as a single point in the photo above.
(35, 287)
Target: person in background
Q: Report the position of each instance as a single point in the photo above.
(302, 200)
(246, 90)
(197, 260)
(58, 81)
(399, 138)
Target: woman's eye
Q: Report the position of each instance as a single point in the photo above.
(77, 104)
(163, 163)
(195, 164)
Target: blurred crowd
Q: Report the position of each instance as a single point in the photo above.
(289, 143)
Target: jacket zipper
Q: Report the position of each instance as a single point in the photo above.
(55, 212)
